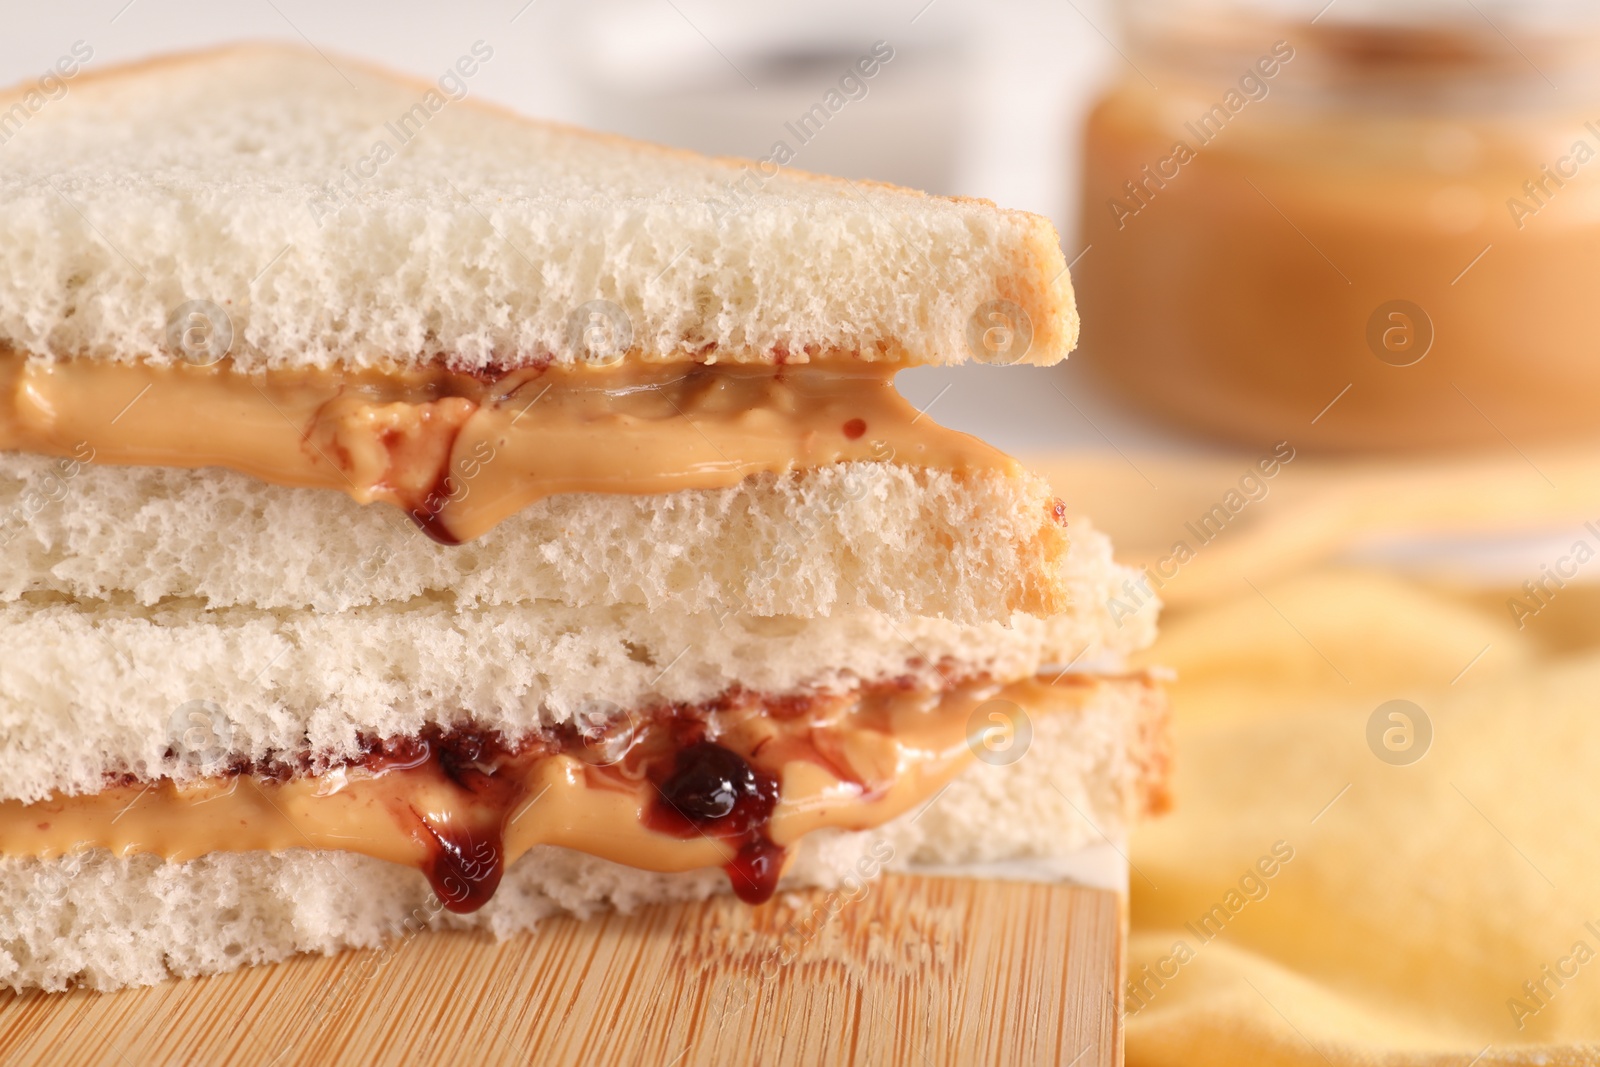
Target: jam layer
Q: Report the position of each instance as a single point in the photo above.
(733, 783)
(459, 452)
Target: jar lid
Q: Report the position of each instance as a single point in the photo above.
(1426, 52)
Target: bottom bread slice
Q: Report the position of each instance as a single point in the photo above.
(106, 921)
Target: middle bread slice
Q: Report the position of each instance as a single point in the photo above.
(96, 695)
(906, 541)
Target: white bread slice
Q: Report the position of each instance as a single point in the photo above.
(858, 536)
(90, 688)
(109, 922)
(217, 176)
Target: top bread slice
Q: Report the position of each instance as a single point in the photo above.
(337, 214)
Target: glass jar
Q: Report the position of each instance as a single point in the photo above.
(1364, 230)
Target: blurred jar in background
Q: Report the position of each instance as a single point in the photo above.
(1380, 229)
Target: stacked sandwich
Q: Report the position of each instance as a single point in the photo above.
(511, 520)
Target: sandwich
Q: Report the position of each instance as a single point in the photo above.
(418, 515)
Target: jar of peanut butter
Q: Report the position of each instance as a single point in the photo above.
(1364, 230)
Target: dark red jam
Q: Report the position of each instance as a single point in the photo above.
(699, 788)
(855, 428)
(754, 872)
(429, 516)
(466, 859)
(711, 790)
(464, 872)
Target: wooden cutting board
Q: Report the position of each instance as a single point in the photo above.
(917, 970)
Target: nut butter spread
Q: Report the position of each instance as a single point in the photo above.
(1393, 206)
(459, 452)
(733, 783)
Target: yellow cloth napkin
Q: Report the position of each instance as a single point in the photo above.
(1425, 891)
(1337, 885)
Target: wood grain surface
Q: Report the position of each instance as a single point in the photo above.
(910, 970)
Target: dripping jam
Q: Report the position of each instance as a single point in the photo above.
(713, 791)
(730, 782)
(680, 759)
(698, 788)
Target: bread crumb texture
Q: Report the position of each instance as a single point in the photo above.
(90, 689)
(250, 178)
(905, 541)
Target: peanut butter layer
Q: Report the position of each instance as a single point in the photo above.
(733, 788)
(459, 453)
